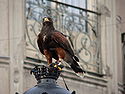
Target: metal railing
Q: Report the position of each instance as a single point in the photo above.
(79, 24)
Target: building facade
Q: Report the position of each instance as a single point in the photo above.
(94, 29)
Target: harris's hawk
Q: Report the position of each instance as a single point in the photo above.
(54, 44)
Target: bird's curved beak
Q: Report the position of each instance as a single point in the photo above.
(46, 20)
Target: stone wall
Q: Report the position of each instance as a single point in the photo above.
(11, 46)
(14, 74)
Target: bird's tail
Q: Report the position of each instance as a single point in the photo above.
(75, 66)
(72, 61)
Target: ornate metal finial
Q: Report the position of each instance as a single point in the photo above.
(47, 86)
(52, 71)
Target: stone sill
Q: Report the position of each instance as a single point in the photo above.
(69, 74)
(4, 60)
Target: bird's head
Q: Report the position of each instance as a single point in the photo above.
(47, 20)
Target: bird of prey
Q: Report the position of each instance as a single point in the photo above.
(54, 44)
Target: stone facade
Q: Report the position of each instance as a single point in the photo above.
(14, 67)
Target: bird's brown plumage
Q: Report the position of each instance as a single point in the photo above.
(54, 44)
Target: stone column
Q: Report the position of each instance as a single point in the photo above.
(109, 41)
(16, 44)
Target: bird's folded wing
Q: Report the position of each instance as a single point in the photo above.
(40, 42)
(62, 41)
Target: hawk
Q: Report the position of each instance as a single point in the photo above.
(54, 44)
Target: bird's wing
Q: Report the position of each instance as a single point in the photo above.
(40, 42)
(62, 41)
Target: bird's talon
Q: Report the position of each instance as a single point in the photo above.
(59, 68)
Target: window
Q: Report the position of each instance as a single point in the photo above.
(78, 19)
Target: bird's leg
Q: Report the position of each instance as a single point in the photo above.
(59, 61)
(61, 54)
(48, 56)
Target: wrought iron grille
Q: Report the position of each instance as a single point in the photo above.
(80, 25)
